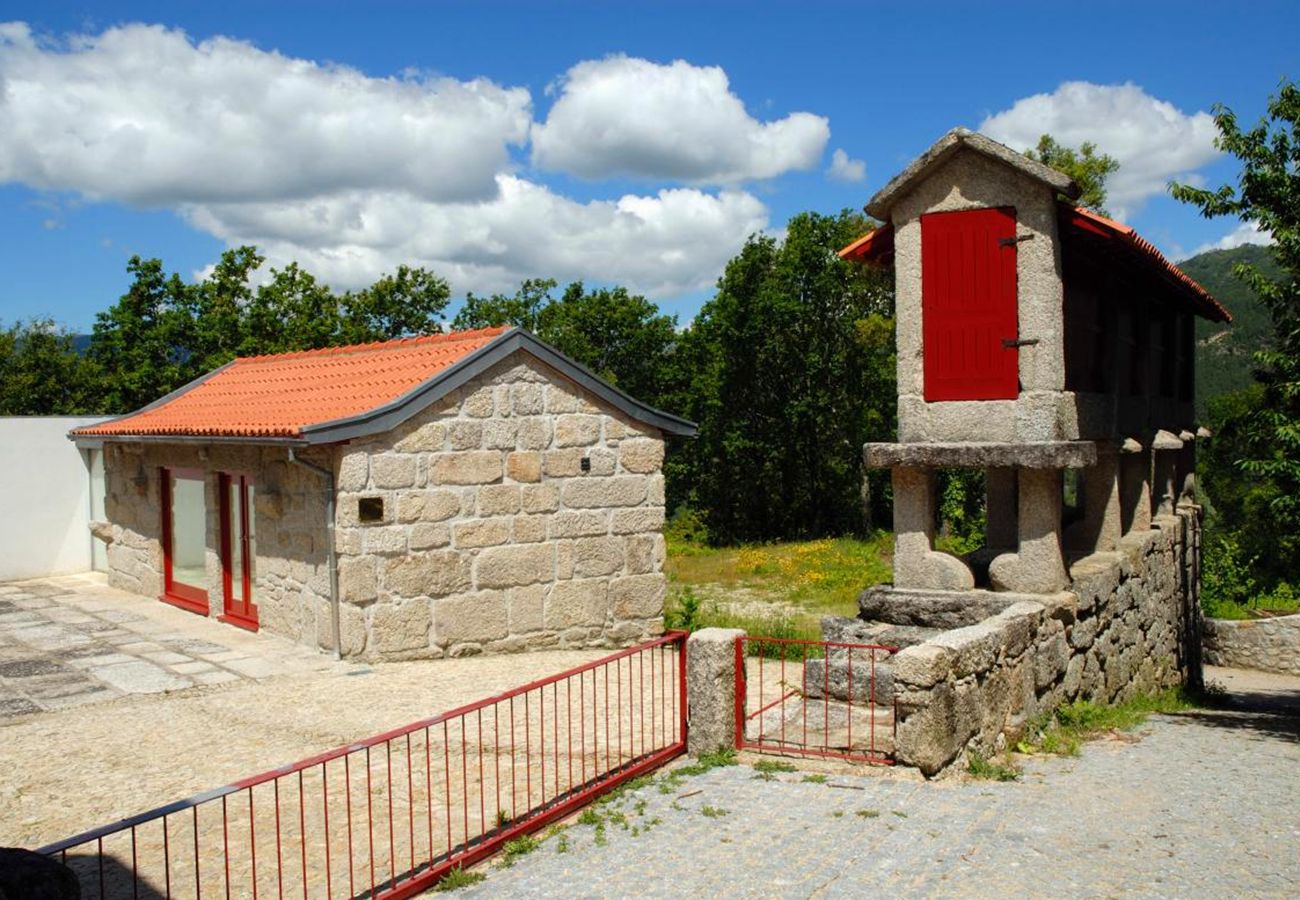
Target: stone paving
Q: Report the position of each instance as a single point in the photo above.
(70, 641)
(1202, 804)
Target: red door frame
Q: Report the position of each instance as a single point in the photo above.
(187, 597)
(243, 614)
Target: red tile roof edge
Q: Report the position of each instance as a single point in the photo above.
(448, 337)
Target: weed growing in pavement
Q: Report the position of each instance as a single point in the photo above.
(502, 819)
(767, 768)
(900, 814)
(868, 813)
(712, 812)
(520, 846)
(562, 844)
(986, 770)
(458, 878)
(816, 778)
(1064, 730)
(838, 814)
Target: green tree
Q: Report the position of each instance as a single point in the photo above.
(1265, 425)
(1086, 166)
(42, 374)
(409, 302)
(523, 309)
(790, 371)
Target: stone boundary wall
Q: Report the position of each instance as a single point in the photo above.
(519, 512)
(1270, 645)
(1127, 625)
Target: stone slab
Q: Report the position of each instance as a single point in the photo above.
(980, 455)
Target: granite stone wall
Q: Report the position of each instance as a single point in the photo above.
(519, 512)
(292, 585)
(1126, 625)
(1270, 645)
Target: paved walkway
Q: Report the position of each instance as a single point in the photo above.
(73, 640)
(1204, 804)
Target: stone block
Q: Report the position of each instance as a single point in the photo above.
(476, 533)
(527, 609)
(471, 618)
(930, 609)
(597, 556)
(500, 434)
(637, 520)
(478, 403)
(428, 438)
(601, 461)
(431, 574)
(524, 466)
(562, 463)
(645, 553)
(465, 434)
(577, 430)
(923, 666)
(579, 523)
(397, 628)
(540, 498)
(711, 689)
(619, 490)
(834, 682)
(528, 399)
(637, 596)
(528, 529)
(498, 499)
(560, 398)
(642, 456)
(354, 471)
(358, 579)
(498, 567)
(472, 467)
(926, 727)
(579, 602)
(392, 470)
(428, 535)
(534, 433)
(384, 540)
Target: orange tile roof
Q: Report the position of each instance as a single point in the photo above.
(278, 396)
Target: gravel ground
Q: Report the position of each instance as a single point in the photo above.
(1201, 804)
(70, 770)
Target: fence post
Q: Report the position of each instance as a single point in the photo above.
(711, 689)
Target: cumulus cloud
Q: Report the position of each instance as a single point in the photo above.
(1244, 233)
(674, 241)
(144, 115)
(845, 169)
(1152, 139)
(628, 116)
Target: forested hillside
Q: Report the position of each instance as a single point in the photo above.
(1224, 352)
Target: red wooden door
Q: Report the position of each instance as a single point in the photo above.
(968, 305)
(238, 550)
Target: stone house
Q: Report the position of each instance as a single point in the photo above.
(459, 493)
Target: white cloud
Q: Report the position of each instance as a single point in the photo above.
(675, 241)
(845, 169)
(1244, 233)
(143, 115)
(628, 116)
(1152, 139)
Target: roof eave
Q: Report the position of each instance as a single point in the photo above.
(880, 205)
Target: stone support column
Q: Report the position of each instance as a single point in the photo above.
(1185, 476)
(711, 689)
(1135, 486)
(1167, 449)
(916, 563)
(1100, 529)
(1037, 566)
(1000, 507)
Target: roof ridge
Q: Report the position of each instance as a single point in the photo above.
(444, 337)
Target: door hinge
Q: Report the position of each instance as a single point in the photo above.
(1008, 343)
(1011, 241)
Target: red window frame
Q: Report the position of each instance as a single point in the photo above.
(186, 596)
(244, 612)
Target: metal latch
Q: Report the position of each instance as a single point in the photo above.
(1010, 241)
(1008, 343)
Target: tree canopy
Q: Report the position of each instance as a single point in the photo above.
(1086, 166)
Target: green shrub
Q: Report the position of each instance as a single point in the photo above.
(458, 878)
(987, 770)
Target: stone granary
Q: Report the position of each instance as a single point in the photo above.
(1051, 348)
(1043, 343)
(459, 493)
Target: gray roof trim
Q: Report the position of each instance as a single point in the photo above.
(880, 205)
(389, 416)
(166, 398)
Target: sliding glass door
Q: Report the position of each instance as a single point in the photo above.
(185, 521)
(238, 550)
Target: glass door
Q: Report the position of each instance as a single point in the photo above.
(184, 539)
(238, 550)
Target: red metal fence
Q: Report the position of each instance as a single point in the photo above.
(387, 817)
(815, 698)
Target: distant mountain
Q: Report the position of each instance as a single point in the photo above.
(1224, 352)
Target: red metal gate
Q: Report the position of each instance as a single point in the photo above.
(815, 698)
(388, 816)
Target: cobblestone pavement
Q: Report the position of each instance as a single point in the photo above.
(73, 640)
(1201, 804)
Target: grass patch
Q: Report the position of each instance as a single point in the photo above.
(1062, 732)
(815, 778)
(986, 770)
(458, 878)
(712, 812)
(801, 581)
(868, 814)
(767, 769)
(520, 846)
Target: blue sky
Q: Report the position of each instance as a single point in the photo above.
(631, 143)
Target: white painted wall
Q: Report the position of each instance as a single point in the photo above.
(44, 497)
